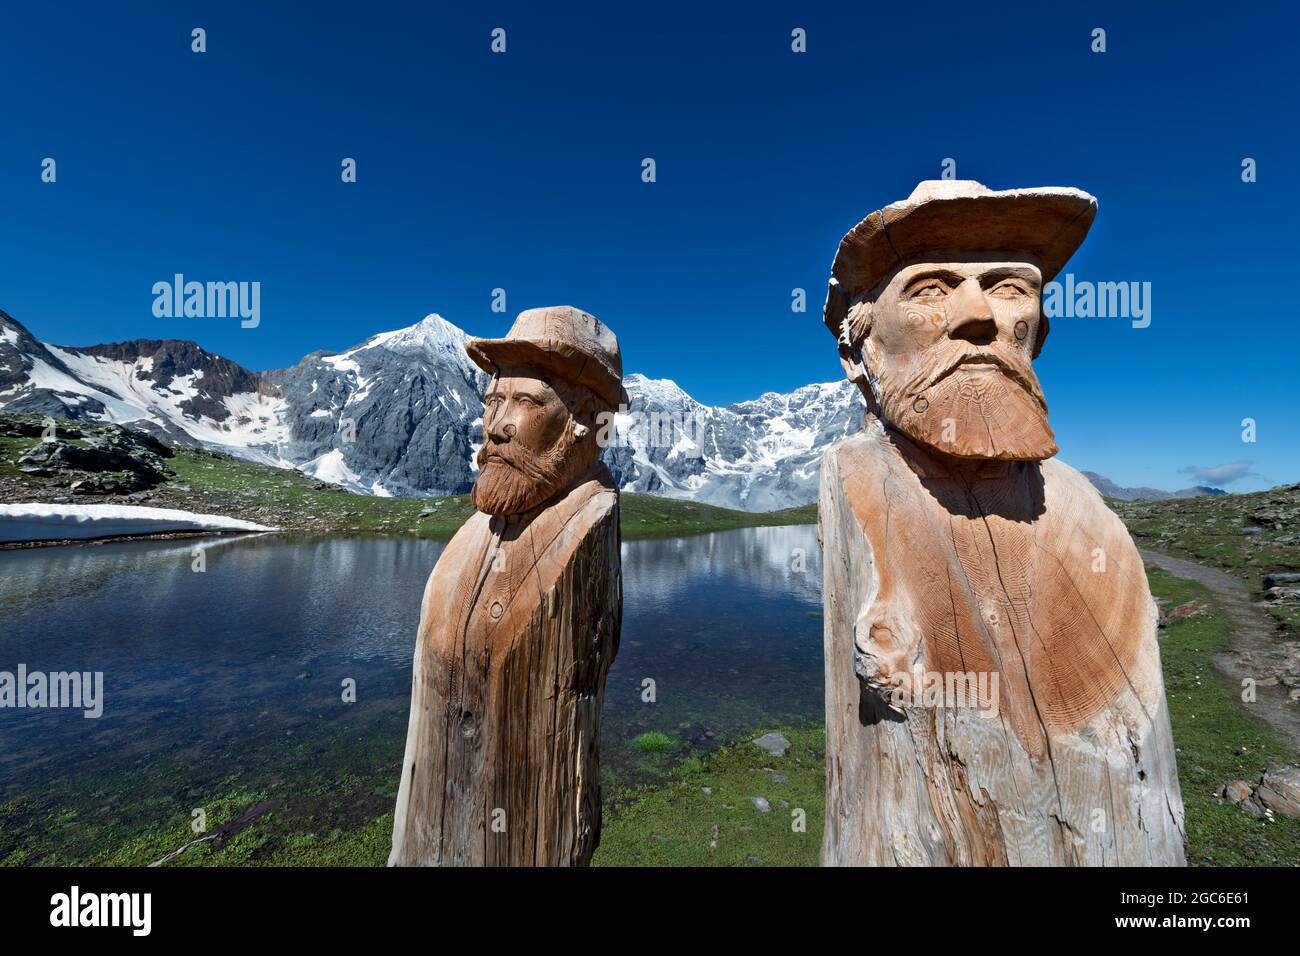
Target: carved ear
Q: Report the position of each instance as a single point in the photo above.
(1043, 328)
(855, 328)
(857, 324)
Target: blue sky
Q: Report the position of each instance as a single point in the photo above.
(523, 171)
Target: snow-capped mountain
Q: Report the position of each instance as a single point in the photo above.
(401, 413)
(170, 388)
(397, 414)
(758, 455)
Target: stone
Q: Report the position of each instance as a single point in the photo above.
(992, 670)
(774, 743)
(1184, 611)
(521, 617)
(1251, 807)
(1280, 790)
(762, 804)
(1236, 791)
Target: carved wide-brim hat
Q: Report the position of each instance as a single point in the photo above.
(957, 215)
(567, 342)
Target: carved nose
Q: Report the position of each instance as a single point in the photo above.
(499, 431)
(971, 319)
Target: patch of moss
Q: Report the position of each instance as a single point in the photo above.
(653, 743)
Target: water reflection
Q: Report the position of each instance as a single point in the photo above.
(234, 673)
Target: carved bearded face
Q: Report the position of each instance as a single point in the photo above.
(946, 351)
(534, 442)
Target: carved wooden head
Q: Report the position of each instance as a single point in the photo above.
(936, 302)
(552, 374)
(538, 436)
(943, 350)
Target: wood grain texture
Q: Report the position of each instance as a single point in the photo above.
(520, 624)
(1013, 569)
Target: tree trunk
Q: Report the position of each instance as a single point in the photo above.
(519, 628)
(1022, 577)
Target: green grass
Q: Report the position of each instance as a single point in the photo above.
(1209, 531)
(11, 447)
(648, 516)
(1218, 740)
(680, 824)
(654, 742)
(267, 842)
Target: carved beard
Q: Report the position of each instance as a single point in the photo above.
(524, 479)
(945, 400)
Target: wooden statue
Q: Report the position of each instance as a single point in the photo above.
(521, 617)
(993, 684)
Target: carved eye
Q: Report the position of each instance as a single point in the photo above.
(1009, 290)
(930, 290)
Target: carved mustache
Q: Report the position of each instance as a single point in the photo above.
(530, 464)
(1012, 369)
(510, 455)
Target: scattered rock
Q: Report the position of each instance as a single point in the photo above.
(1251, 807)
(762, 804)
(102, 459)
(1236, 791)
(1280, 790)
(779, 778)
(774, 743)
(1266, 519)
(1182, 612)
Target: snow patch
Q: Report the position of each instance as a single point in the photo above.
(41, 522)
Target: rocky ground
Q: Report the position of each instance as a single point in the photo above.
(1245, 548)
(1255, 537)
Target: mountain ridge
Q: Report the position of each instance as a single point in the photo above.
(400, 413)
